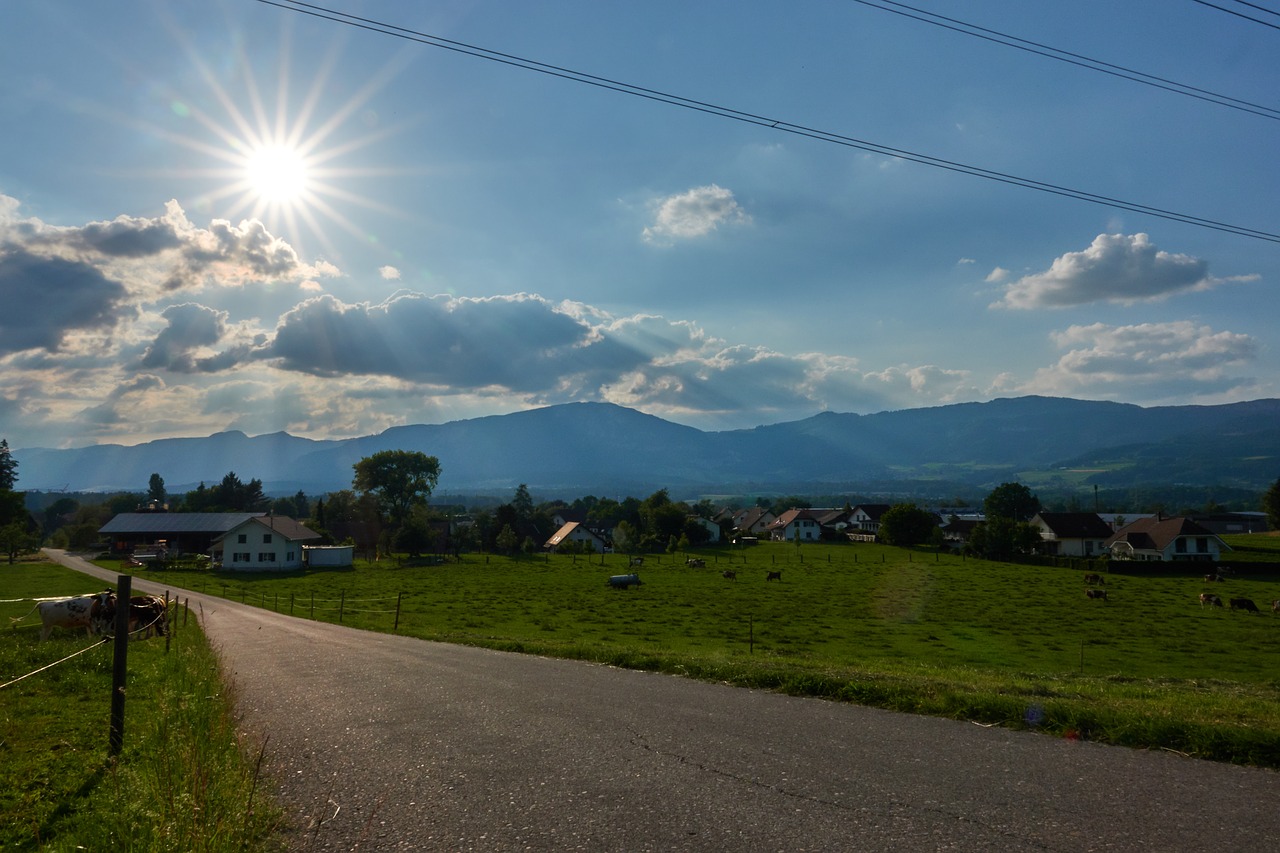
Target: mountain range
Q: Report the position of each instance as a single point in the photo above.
(600, 448)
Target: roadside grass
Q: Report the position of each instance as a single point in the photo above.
(182, 781)
(996, 643)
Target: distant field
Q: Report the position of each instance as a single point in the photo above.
(867, 623)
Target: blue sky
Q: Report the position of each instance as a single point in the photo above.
(231, 215)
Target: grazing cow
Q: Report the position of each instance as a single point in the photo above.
(729, 574)
(1210, 599)
(695, 563)
(1243, 604)
(624, 581)
(1213, 578)
(148, 612)
(637, 561)
(94, 613)
(1275, 605)
(1096, 593)
(774, 576)
(1094, 579)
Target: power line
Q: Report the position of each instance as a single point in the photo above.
(1070, 58)
(762, 121)
(1242, 14)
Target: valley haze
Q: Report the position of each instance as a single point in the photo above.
(601, 448)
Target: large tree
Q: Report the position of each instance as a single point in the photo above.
(155, 490)
(906, 524)
(1011, 500)
(401, 480)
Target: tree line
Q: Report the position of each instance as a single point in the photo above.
(388, 508)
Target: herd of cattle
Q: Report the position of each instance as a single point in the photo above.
(633, 579)
(1207, 599)
(96, 614)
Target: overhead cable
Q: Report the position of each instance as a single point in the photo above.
(762, 121)
(1241, 14)
(1067, 56)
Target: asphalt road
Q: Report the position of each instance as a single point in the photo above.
(380, 742)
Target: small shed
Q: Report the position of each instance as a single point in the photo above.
(328, 555)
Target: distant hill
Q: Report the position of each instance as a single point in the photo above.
(603, 449)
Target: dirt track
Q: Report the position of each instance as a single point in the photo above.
(380, 742)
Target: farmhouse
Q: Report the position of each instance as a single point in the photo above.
(1166, 539)
(573, 531)
(263, 543)
(1072, 534)
(174, 533)
(797, 524)
(866, 517)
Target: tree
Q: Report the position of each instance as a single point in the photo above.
(1011, 500)
(401, 479)
(506, 542)
(15, 540)
(1271, 505)
(155, 490)
(523, 503)
(8, 467)
(906, 525)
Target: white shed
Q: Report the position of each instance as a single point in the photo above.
(328, 555)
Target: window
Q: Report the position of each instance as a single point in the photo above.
(266, 539)
(288, 557)
(240, 557)
(267, 557)
(242, 538)
(1181, 547)
(1202, 544)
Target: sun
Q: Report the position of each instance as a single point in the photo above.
(278, 175)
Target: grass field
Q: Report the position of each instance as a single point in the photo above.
(992, 642)
(181, 782)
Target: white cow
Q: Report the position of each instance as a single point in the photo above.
(94, 613)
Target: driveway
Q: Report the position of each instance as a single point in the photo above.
(379, 742)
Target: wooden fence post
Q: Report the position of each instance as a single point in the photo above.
(120, 663)
(396, 626)
(342, 604)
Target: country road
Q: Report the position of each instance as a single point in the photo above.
(378, 742)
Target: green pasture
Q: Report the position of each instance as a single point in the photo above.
(910, 630)
(181, 782)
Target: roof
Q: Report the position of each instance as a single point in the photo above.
(291, 530)
(1075, 525)
(176, 522)
(872, 511)
(1157, 532)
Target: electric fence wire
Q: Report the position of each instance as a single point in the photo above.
(762, 121)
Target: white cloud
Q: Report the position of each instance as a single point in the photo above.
(1150, 362)
(389, 273)
(997, 275)
(1114, 268)
(694, 213)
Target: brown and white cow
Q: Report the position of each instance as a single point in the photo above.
(1094, 579)
(1210, 599)
(94, 613)
(1096, 593)
(730, 574)
(147, 612)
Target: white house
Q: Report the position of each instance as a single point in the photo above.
(265, 543)
(797, 524)
(1072, 534)
(1166, 539)
(572, 531)
(866, 517)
